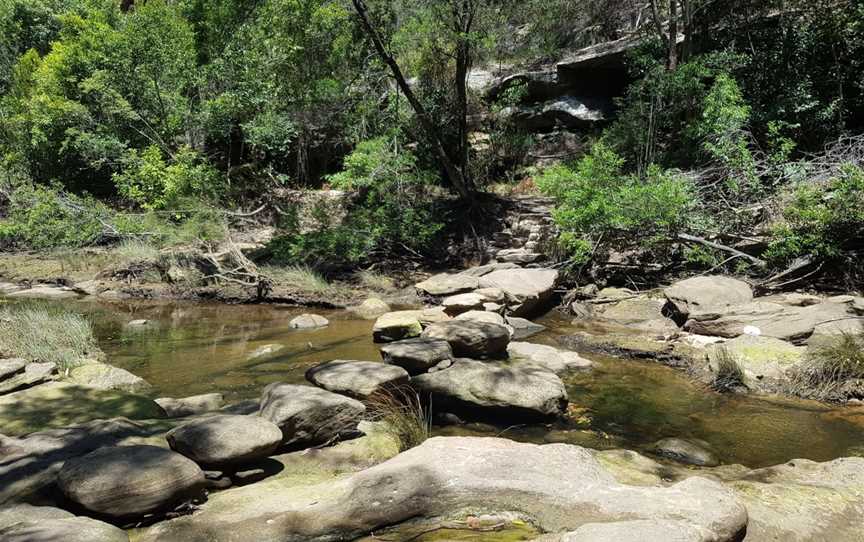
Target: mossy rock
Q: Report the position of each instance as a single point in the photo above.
(59, 404)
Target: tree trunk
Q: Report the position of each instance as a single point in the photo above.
(454, 174)
(672, 59)
(464, 16)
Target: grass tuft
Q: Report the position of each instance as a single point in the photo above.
(829, 367)
(729, 374)
(376, 281)
(38, 332)
(401, 415)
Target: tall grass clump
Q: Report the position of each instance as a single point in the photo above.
(45, 334)
(729, 376)
(829, 367)
(400, 413)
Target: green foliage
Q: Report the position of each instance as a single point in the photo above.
(599, 204)
(154, 183)
(390, 214)
(45, 333)
(38, 217)
(821, 220)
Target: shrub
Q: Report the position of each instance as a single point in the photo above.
(821, 220)
(47, 334)
(153, 182)
(392, 212)
(829, 366)
(598, 204)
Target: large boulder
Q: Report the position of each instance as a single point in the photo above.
(308, 415)
(130, 481)
(762, 318)
(189, 406)
(107, 377)
(370, 309)
(529, 289)
(445, 284)
(398, 325)
(358, 379)
(764, 361)
(308, 321)
(225, 439)
(706, 293)
(546, 357)
(471, 338)
(417, 355)
(487, 390)
(557, 487)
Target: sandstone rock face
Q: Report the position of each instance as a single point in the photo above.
(795, 324)
(529, 289)
(546, 357)
(483, 390)
(308, 321)
(471, 338)
(308, 415)
(417, 355)
(765, 361)
(685, 451)
(371, 308)
(130, 481)
(225, 439)
(643, 530)
(560, 487)
(398, 325)
(447, 284)
(707, 293)
(358, 379)
(72, 529)
(189, 406)
(107, 377)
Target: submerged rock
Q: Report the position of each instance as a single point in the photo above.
(558, 487)
(265, 351)
(189, 406)
(308, 415)
(130, 481)
(225, 440)
(417, 355)
(706, 293)
(358, 379)
(489, 390)
(685, 451)
(471, 337)
(308, 321)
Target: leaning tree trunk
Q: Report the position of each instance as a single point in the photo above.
(454, 173)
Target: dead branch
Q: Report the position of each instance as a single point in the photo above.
(717, 246)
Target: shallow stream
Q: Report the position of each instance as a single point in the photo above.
(188, 349)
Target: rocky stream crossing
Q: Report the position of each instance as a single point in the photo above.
(593, 427)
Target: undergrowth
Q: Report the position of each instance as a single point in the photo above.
(39, 332)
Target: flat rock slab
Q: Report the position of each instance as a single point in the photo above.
(707, 293)
(643, 530)
(559, 487)
(547, 357)
(471, 338)
(130, 481)
(765, 361)
(489, 390)
(517, 255)
(529, 289)
(11, 366)
(71, 529)
(32, 375)
(225, 439)
(107, 377)
(358, 379)
(45, 292)
(447, 284)
(481, 316)
(308, 415)
(189, 406)
(308, 321)
(38, 408)
(459, 303)
(417, 355)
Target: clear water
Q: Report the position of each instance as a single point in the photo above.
(198, 348)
